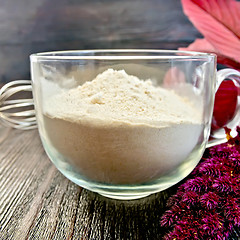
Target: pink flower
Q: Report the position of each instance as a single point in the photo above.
(219, 23)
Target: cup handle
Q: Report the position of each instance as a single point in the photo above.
(219, 136)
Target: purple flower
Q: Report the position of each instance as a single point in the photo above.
(207, 204)
(211, 169)
(190, 198)
(225, 184)
(209, 200)
(232, 210)
(197, 184)
(211, 223)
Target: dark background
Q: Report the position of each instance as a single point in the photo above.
(30, 26)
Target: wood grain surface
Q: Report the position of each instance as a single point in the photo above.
(30, 26)
(38, 202)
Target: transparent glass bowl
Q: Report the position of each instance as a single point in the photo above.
(130, 157)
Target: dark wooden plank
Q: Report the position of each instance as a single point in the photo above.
(38, 202)
(28, 175)
(38, 25)
(104, 20)
(67, 212)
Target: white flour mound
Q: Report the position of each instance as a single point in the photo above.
(120, 129)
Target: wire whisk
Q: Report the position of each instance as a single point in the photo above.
(19, 112)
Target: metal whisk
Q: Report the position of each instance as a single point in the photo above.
(17, 113)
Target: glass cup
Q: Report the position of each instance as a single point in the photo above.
(126, 123)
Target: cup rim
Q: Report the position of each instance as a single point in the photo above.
(118, 54)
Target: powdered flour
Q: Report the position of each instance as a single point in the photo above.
(120, 129)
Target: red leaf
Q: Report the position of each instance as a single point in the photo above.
(225, 11)
(218, 21)
(202, 45)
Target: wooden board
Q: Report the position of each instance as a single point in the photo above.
(38, 25)
(38, 202)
